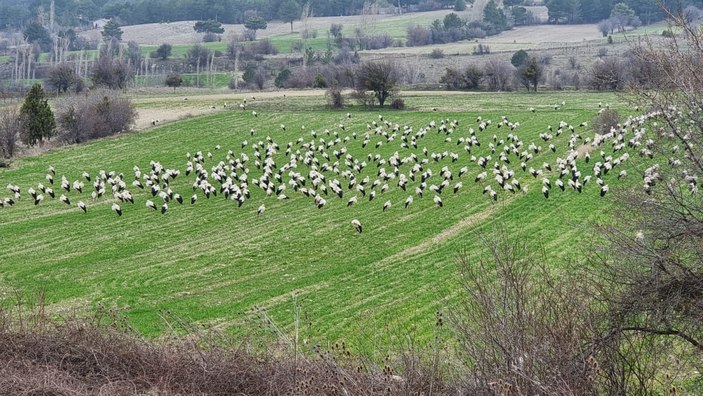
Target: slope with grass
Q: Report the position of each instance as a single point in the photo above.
(215, 263)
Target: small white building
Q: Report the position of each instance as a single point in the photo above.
(100, 23)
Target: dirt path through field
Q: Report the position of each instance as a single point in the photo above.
(445, 235)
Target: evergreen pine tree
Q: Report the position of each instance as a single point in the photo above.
(289, 12)
(495, 16)
(38, 122)
(112, 30)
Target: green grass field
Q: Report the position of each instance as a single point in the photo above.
(216, 81)
(211, 263)
(180, 50)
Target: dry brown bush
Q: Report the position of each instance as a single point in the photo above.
(498, 75)
(606, 120)
(608, 74)
(522, 330)
(101, 113)
(335, 99)
(111, 73)
(101, 356)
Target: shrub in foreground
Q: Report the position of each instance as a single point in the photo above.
(102, 357)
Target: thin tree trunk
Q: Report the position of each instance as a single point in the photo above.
(197, 73)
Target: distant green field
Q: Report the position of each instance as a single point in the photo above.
(653, 30)
(284, 44)
(396, 28)
(26, 83)
(217, 80)
(212, 262)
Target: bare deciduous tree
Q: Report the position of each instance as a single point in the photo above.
(653, 273)
(63, 78)
(522, 330)
(10, 127)
(608, 74)
(260, 77)
(109, 73)
(378, 77)
(498, 75)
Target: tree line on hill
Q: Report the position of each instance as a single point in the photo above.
(80, 13)
(590, 11)
(18, 13)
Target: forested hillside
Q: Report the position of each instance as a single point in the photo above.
(586, 11)
(18, 13)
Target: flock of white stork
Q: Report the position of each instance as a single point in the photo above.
(321, 167)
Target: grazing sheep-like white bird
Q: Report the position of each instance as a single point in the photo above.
(357, 225)
(386, 205)
(261, 209)
(438, 201)
(64, 199)
(408, 201)
(82, 207)
(150, 204)
(164, 208)
(603, 190)
(14, 189)
(117, 209)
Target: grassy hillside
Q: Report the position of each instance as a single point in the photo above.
(213, 262)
